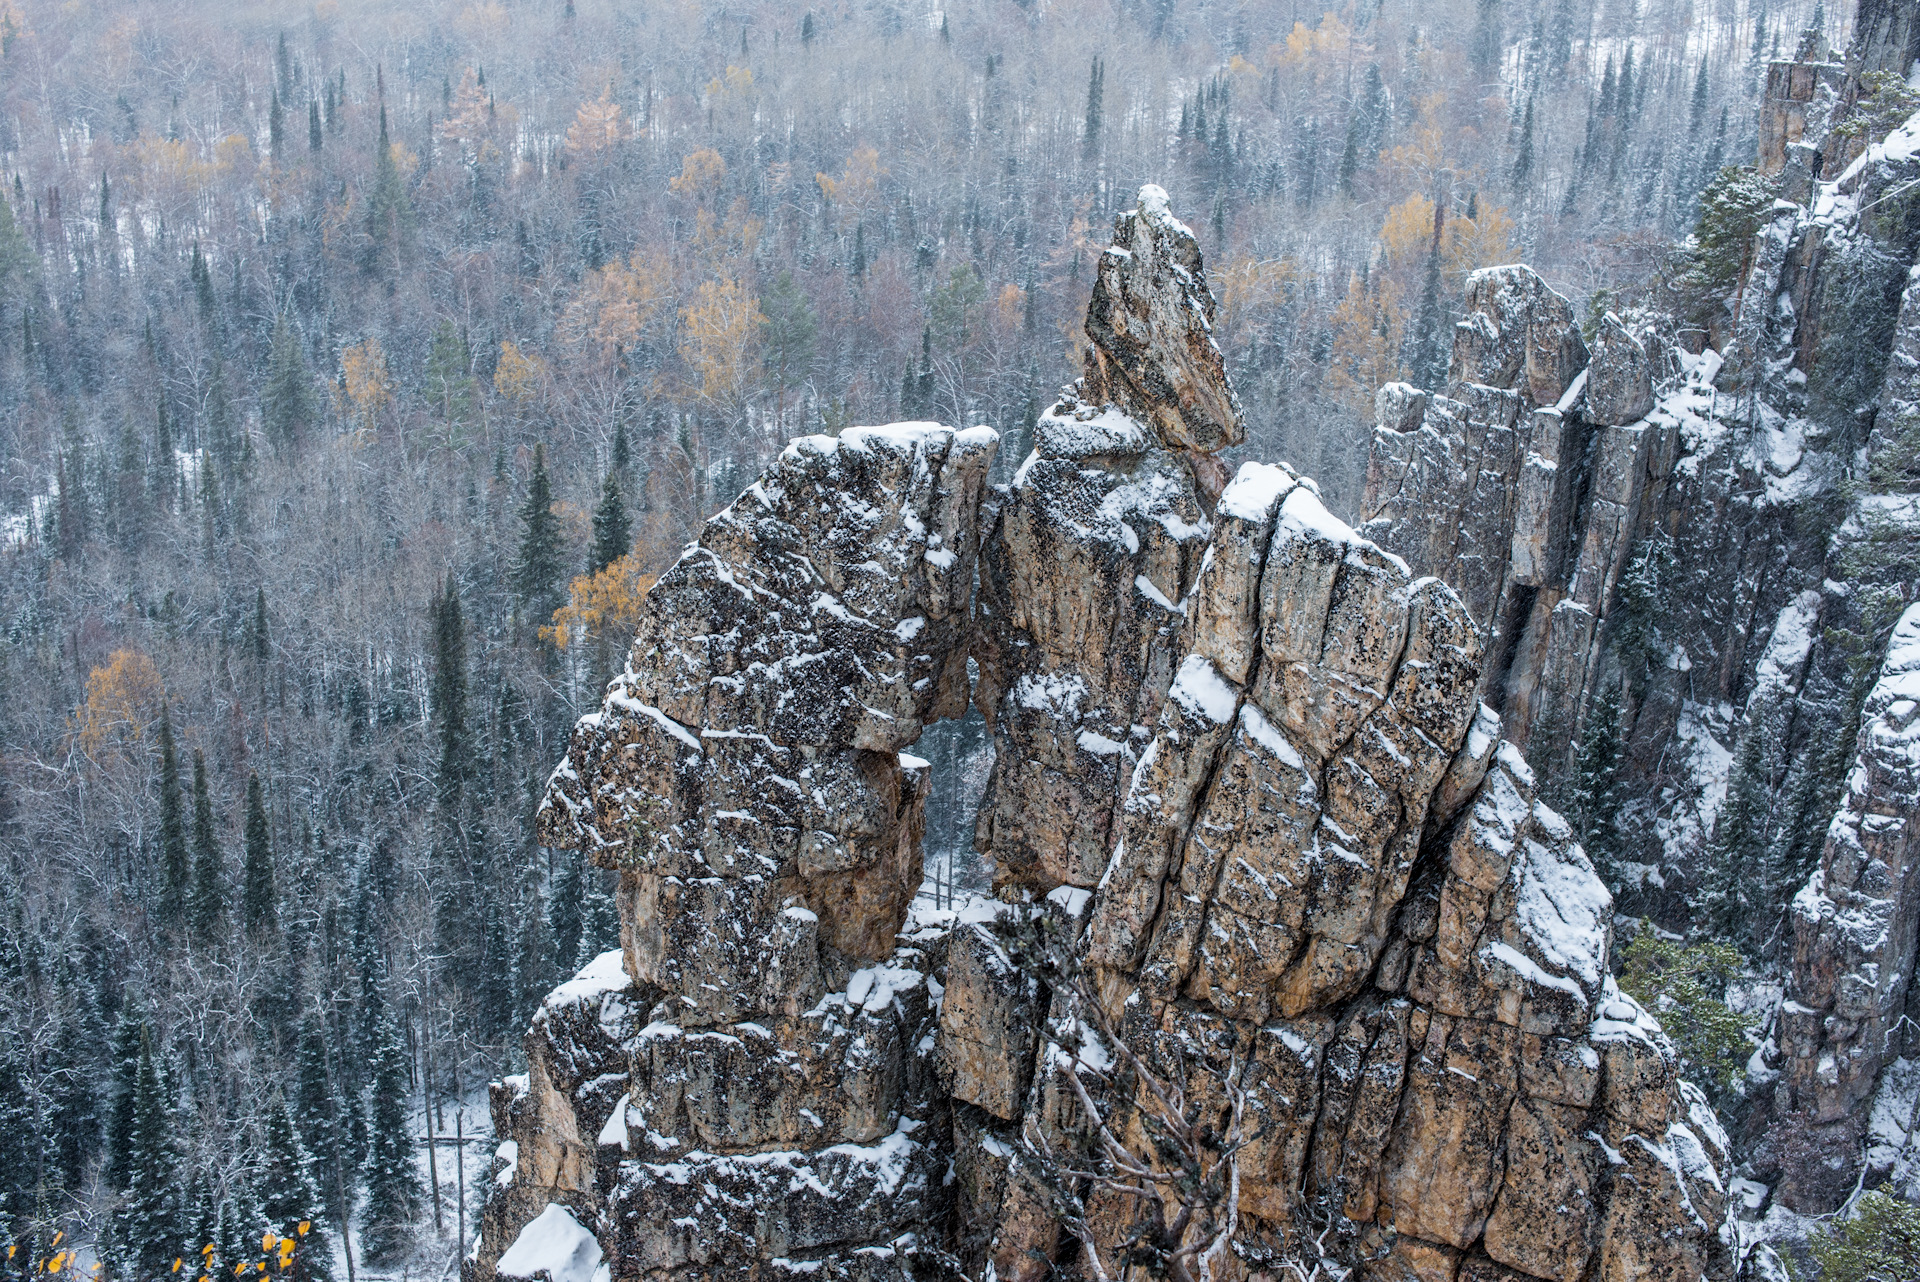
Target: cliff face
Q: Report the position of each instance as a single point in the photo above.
(1241, 755)
(1745, 487)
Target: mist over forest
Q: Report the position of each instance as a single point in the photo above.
(362, 364)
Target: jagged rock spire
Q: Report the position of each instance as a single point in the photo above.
(1151, 328)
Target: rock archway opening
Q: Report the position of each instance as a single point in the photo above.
(959, 755)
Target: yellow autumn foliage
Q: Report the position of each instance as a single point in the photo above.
(603, 604)
(124, 697)
(365, 381)
(615, 305)
(719, 334)
(700, 173)
(597, 126)
(518, 377)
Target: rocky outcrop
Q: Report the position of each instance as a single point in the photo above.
(747, 778)
(1331, 868)
(1241, 758)
(1525, 487)
(1850, 1007)
(556, 1118)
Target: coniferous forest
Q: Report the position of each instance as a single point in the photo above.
(361, 364)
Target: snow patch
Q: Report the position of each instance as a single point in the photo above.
(554, 1243)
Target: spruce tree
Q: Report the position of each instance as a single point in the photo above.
(1736, 856)
(316, 1107)
(388, 215)
(393, 1195)
(314, 138)
(622, 453)
(612, 531)
(1427, 347)
(1096, 92)
(175, 870)
(1522, 172)
(1594, 786)
(144, 1234)
(599, 918)
(566, 905)
(450, 695)
(128, 1038)
(536, 571)
(289, 1193)
(20, 1143)
(258, 908)
(289, 409)
(209, 901)
(1484, 46)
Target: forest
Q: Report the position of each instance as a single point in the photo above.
(361, 365)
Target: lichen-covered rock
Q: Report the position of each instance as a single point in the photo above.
(1239, 746)
(1517, 333)
(550, 1119)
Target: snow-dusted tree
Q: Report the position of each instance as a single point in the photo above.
(393, 1195)
(289, 1193)
(144, 1237)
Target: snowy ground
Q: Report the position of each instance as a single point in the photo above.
(436, 1254)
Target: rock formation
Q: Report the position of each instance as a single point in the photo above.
(1851, 1006)
(1240, 750)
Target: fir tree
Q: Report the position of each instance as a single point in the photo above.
(209, 904)
(450, 374)
(128, 1038)
(1427, 347)
(387, 213)
(1736, 856)
(258, 906)
(316, 1110)
(315, 140)
(393, 1195)
(450, 694)
(1483, 47)
(537, 569)
(566, 906)
(599, 918)
(612, 531)
(1522, 172)
(144, 1233)
(622, 452)
(175, 870)
(289, 409)
(20, 1142)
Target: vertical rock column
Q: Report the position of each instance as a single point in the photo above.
(746, 777)
(1854, 931)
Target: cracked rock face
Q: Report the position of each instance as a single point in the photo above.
(1854, 937)
(1239, 745)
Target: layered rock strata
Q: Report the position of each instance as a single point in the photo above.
(1240, 749)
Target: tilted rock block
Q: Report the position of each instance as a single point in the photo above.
(1619, 386)
(990, 1016)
